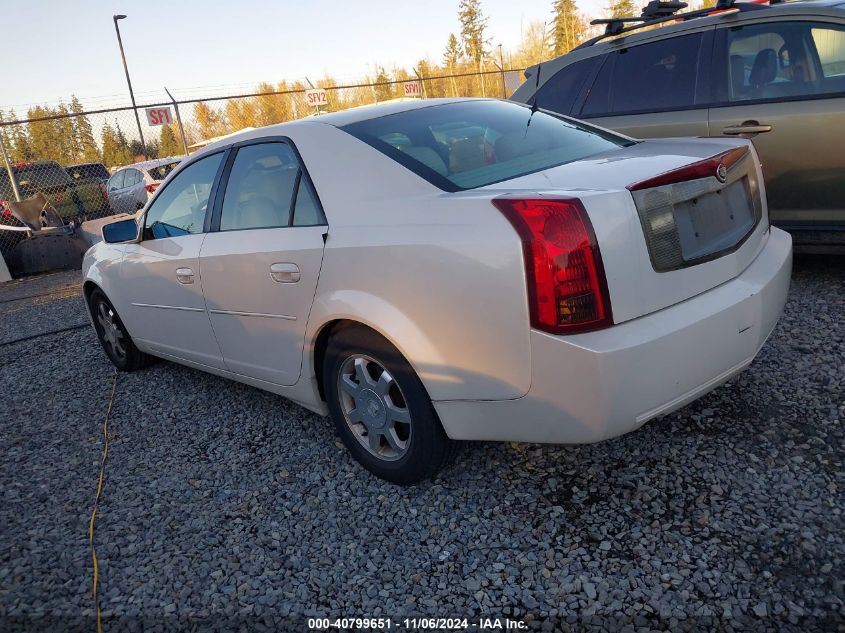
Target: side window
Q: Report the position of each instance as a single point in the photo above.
(647, 78)
(260, 189)
(131, 177)
(829, 42)
(116, 181)
(559, 93)
(779, 60)
(181, 206)
(305, 211)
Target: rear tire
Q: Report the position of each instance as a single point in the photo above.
(113, 336)
(381, 410)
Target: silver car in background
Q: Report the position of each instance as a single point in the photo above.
(130, 187)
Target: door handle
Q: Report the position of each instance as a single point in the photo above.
(747, 127)
(184, 275)
(285, 273)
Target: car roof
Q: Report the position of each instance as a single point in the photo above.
(149, 164)
(830, 8)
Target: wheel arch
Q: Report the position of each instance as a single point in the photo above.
(395, 326)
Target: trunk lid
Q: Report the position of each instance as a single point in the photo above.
(673, 218)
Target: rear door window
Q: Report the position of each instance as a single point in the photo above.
(560, 92)
(652, 77)
(260, 189)
(829, 42)
(774, 61)
(132, 177)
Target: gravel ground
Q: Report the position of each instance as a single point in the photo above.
(231, 506)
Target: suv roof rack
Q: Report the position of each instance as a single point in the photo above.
(660, 11)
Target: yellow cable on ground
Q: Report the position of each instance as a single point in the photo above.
(97, 504)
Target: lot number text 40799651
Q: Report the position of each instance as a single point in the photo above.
(416, 624)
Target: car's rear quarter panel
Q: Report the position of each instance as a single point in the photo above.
(439, 275)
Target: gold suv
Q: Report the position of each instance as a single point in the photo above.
(774, 73)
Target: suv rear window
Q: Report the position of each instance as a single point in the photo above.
(471, 144)
(34, 177)
(85, 172)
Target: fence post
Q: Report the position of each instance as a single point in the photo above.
(9, 169)
(178, 120)
(4, 270)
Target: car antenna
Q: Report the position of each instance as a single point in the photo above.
(534, 106)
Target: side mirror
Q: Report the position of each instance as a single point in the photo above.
(122, 231)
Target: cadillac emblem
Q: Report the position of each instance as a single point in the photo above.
(721, 173)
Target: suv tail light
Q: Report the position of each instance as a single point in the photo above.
(567, 287)
(152, 187)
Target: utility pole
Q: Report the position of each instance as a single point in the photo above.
(502, 70)
(115, 18)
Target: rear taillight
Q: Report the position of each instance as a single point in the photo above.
(4, 207)
(567, 287)
(59, 197)
(152, 187)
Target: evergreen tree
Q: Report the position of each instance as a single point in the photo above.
(41, 134)
(453, 52)
(21, 147)
(64, 146)
(623, 9)
(473, 24)
(87, 150)
(168, 141)
(568, 27)
(382, 91)
(451, 58)
(115, 148)
(6, 136)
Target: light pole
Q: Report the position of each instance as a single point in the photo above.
(129, 81)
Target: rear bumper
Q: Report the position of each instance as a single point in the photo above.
(590, 387)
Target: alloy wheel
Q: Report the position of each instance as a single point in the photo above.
(111, 332)
(374, 407)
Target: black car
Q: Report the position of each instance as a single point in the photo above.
(72, 199)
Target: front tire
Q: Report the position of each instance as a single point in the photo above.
(113, 336)
(381, 410)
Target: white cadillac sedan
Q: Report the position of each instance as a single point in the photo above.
(451, 270)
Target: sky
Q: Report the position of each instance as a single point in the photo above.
(217, 47)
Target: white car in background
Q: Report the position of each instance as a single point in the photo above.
(451, 270)
(129, 188)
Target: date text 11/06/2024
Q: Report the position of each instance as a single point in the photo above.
(416, 624)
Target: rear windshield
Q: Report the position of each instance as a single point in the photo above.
(85, 172)
(470, 144)
(161, 172)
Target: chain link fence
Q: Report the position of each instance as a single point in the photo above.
(88, 164)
